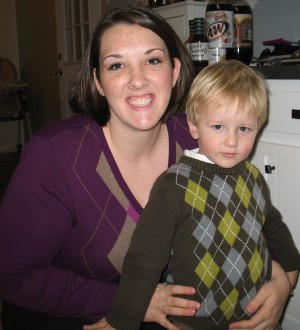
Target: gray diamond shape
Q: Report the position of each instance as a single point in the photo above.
(234, 266)
(205, 231)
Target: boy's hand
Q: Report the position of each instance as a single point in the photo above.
(165, 302)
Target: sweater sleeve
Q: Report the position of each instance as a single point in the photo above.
(35, 222)
(147, 257)
(280, 241)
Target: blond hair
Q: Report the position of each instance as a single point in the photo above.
(223, 83)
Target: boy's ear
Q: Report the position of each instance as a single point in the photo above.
(193, 130)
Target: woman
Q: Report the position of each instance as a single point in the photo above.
(72, 205)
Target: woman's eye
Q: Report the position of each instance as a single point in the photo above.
(115, 66)
(244, 129)
(154, 61)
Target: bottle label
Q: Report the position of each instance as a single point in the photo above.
(219, 28)
(243, 31)
(199, 51)
(216, 55)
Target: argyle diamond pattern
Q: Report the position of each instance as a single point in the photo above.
(231, 253)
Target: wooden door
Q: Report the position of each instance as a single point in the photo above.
(75, 22)
(37, 58)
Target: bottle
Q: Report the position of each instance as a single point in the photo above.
(199, 44)
(154, 3)
(219, 29)
(243, 31)
(191, 35)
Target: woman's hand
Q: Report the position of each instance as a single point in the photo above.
(165, 303)
(102, 324)
(268, 304)
(293, 278)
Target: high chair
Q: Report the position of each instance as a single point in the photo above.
(13, 105)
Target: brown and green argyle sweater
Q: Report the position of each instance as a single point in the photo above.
(209, 227)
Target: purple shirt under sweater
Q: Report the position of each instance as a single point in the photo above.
(67, 218)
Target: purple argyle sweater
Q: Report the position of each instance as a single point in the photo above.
(67, 219)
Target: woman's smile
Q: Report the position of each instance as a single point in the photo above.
(136, 76)
(140, 101)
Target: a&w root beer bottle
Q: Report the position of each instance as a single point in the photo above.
(219, 29)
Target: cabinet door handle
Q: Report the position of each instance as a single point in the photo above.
(295, 114)
(269, 169)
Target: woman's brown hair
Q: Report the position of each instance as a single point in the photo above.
(83, 95)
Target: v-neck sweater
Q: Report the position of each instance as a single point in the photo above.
(67, 219)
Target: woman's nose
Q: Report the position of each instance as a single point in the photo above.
(138, 78)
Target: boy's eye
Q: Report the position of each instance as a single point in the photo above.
(217, 127)
(244, 129)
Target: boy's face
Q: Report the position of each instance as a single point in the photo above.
(225, 133)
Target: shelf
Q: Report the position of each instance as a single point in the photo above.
(182, 3)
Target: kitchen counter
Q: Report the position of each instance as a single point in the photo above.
(279, 71)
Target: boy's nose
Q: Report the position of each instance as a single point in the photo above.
(231, 139)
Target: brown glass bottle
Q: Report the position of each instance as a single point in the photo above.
(191, 36)
(243, 32)
(219, 29)
(199, 44)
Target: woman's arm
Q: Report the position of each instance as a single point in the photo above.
(293, 278)
(35, 222)
(268, 304)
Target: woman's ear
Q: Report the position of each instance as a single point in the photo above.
(176, 70)
(97, 83)
(193, 130)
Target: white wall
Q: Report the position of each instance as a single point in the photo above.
(274, 19)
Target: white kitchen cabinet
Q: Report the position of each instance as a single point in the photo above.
(179, 14)
(279, 148)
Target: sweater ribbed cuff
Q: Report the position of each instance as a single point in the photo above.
(293, 263)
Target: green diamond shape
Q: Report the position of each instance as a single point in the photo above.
(228, 305)
(196, 196)
(252, 169)
(207, 269)
(229, 228)
(255, 266)
(242, 191)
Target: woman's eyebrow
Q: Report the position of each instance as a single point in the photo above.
(112, 55)
(149, 51)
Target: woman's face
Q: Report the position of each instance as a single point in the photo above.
(136, 76)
